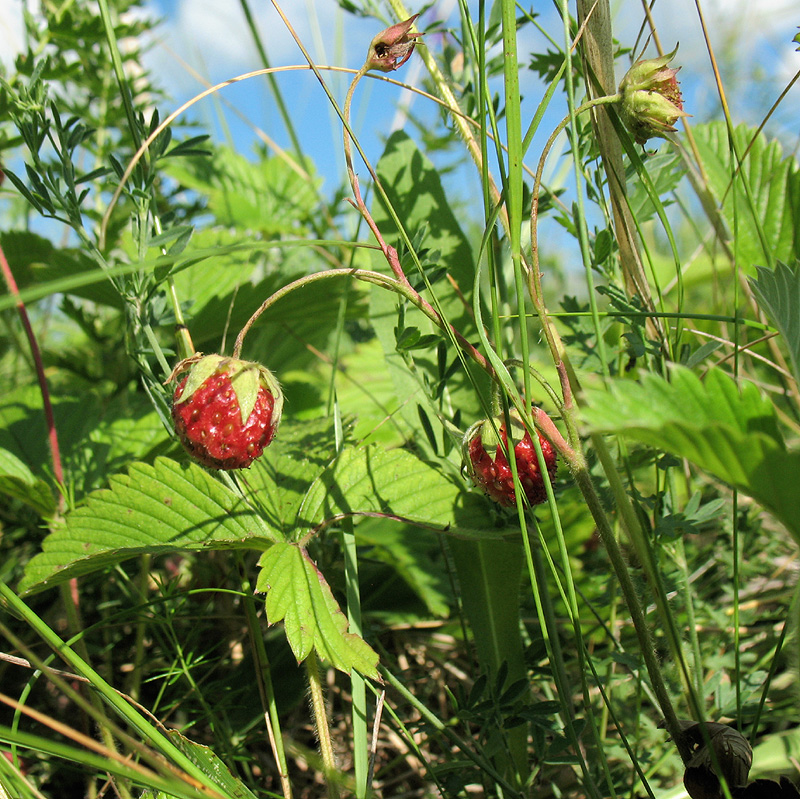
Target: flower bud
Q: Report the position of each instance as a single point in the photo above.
(651, 98)
(391, 48)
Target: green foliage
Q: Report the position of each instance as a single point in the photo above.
(760, 204)
(265, 195)
(17, 480)
(159, 508)
(372, 481)
(418, 200)
(778, 293)
(298, 595)
(731, 431)
(522, 655)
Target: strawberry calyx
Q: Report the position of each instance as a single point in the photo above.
(247, 378)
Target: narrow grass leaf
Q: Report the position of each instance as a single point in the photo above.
(211, 765)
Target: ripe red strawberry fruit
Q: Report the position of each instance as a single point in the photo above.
(486, 462)
(226, 410)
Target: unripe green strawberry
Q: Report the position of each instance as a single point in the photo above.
(226, 410)
(485, 459)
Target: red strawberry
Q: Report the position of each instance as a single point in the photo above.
(485, 458)
(226, 410)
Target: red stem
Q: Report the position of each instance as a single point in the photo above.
(52, 436)
(390, 253)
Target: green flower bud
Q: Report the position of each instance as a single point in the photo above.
(651, 98)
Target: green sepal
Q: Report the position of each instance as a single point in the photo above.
(201, 370)
(246, 380)
(246, 384)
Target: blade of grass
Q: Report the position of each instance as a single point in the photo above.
(357, 682)
(109, 695)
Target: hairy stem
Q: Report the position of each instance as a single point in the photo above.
(264, 681)
(321, 724)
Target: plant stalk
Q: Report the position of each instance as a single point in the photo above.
(321, 724)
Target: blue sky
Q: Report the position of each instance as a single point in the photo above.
(209, 39)
(748, 35)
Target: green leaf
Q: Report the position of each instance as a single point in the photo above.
(177, 236)
(727, 429)
(298, 595)
(489, 573)
(211, 765)
(414, 188)
(35, 261)
(97, 437)
(398, 485)
(17, 480)
(263, 194)
(410, 555)
(278, 481)
(774, 183)
(778, 294)
(152, 509)
(368, 392)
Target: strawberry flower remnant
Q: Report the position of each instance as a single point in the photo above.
(651, 98)
(391, 48)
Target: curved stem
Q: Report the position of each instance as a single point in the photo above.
(368, 276)
(361, 274)
(389, 252)
(36, 354)
(348, 148)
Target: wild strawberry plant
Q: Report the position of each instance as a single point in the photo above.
(609, 604)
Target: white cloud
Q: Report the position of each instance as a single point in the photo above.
(745, 23)
(12, 31)
(214, 38)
